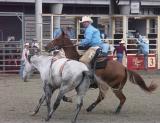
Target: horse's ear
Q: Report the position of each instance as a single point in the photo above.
(63, 33)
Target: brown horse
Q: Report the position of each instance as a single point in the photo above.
(114, 74)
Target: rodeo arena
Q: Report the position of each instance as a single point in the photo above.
(80, 61)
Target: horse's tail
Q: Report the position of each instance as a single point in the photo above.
(85, 74)
(137, 79)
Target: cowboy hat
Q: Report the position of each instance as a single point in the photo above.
(36, 45)
(146, 40)
(34, 39)
(26, 44)
(122, 42)
(86, 18)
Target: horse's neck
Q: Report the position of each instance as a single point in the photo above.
(71, 53)
(60, 54)
(39, 62)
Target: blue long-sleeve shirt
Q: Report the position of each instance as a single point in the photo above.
(91, 37)
(144, 45)
(57, 33)
(71, 33)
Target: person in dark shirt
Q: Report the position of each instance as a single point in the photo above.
(119, 51)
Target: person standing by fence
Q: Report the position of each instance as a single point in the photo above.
(119, 50)
(143, 48)
(24, 58)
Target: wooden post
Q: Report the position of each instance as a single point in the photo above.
(158, 43)
(38, 11)
(125, 30)
(51, 27)
(147, 26)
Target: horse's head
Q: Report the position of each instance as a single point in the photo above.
(33, 51)
(59, 53)
(60, 42)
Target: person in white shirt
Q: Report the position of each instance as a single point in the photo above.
(24, 58)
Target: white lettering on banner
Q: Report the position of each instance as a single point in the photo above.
(151, 62)
(137, 62)
(135, 7)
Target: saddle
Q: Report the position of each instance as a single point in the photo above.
(99, 61)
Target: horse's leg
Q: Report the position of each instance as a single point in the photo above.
(81, 91)
(67, 99)
(122, 99)
(93, 105)
(48, 89)
(41, 100)
(62, 91)
(103, 88)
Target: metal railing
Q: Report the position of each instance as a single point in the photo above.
(10, 56)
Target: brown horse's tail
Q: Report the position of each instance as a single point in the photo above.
(137, 79)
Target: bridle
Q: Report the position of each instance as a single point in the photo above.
(33, 51)
(63, 45)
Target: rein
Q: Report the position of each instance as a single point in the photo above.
(29, 57)
(69, 46)
(52, 61)
(61, 69)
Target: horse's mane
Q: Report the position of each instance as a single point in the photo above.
(66, 37)
(59, 54)
(63, 41)
(42, 58)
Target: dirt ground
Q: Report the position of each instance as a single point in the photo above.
(18, 98)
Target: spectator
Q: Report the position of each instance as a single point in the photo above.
(11, 53)
(34, 40)
(36, 45)
(57, 32)
(70, 32)
(119, 51)
(103, 34)
(143, 48)
(24, 58)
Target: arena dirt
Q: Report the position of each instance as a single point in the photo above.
(18, 98)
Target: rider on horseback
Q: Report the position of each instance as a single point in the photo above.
(92, 40)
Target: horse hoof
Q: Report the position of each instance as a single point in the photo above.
(118, 110)
(33, 114)
(73, 121)
(89, 109)
(47, 118)
(69, 100)
(25, 80)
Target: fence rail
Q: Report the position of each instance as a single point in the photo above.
(10, 56)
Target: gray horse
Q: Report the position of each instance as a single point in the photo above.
(60, 73)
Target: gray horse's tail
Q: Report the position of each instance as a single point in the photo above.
(86, 74)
